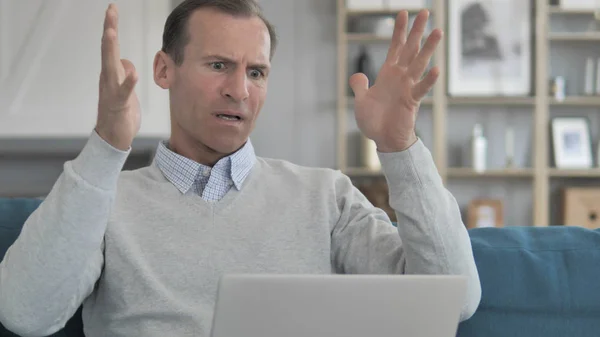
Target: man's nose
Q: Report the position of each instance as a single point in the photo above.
(236, 87)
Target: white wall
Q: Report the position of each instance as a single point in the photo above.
(297, 122)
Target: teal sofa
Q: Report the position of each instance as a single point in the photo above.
(535, 281)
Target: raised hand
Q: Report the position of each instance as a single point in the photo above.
(119, 117)
(387, 111)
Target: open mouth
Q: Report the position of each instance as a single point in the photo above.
(229, 117)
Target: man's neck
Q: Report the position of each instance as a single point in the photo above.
(199, 153)
(196, 151)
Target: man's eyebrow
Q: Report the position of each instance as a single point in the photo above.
(228, 60)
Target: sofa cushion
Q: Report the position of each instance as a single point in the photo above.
(536, 281)
(13, 214)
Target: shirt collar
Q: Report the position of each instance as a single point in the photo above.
(183, 172)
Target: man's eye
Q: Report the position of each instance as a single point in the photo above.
(218, 65)
(256, 73)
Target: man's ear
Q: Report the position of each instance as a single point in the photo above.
(163, 70)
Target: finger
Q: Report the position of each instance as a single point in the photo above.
(127, 65)
(110, 45)
(413, 44)
(398, 37)
(420, 62)
(126, 89)
(359, 83)
(422, 87)
(112, 20)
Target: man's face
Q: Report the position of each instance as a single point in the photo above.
(219, 89)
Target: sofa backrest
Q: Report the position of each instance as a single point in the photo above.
(536, 281)
(13, 214)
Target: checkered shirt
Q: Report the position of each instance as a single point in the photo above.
(210, 183)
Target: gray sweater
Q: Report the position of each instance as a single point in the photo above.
(145, 259)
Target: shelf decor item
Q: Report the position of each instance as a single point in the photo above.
(589, 76)
(581, 207)
(476, 151)
(597, 77)
(558, 88)
(489, 48)
(364, 64)
(572, 143)
(377, 192)
(405, 4)
(598, 154)
(578, 4)
(509, 144)
(364, 4)
(369, 156)
(485, 213)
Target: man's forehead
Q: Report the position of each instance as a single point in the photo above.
(222, 33)
(208, 21)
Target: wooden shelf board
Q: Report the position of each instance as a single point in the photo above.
(370, 37)
(366, 37)
(362, 172)
(578, 101)
(465, 172)
(358, 12)
(428, 100)
(574, 37)
(501, 100)
(574, 173)
(559, 10)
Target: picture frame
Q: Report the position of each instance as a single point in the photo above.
(377, 192)
(484, 213)
(571, 143)
(490, 46)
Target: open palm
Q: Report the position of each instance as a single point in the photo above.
(387, 111)
(119, 116)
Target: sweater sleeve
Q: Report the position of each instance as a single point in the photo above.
(430, 237)
(57, 259)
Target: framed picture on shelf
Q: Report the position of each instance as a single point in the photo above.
(571, 141)
(485, 213)
(490, 46)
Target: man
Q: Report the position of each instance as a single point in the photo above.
(143, 250)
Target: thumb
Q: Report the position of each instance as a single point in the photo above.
(359, 84)
(128, 67)
(130, 80)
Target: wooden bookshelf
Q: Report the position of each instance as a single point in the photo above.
(583, 37)
(559, 10)
(425, 102)
(574, 173)
(357, 37)
(592, 101)
(516, 101)
(539, 176)
(362, 172)
(365, 12)
(464, 172)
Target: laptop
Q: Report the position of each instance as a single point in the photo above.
(269, 305)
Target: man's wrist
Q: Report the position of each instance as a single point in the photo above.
(114, 142)
(397, 147)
